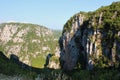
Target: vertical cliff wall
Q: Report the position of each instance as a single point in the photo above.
(91, 39)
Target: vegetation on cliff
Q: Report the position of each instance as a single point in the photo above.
(110, 18)
(95, 36)
(95, 42)
(30, 42)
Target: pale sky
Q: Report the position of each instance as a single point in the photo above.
(52, 14)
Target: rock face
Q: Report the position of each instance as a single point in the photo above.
(91, 39)
(29, 42)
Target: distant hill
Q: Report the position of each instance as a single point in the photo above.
(57, 33)
(30, 42)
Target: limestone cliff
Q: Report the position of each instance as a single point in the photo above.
(29, 42)
(91, 39)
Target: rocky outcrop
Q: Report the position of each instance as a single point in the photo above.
(91, 39)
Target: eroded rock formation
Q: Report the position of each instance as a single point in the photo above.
(91, 39)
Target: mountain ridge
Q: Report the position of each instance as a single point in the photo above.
(30, 40)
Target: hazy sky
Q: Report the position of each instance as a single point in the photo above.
(50, 13)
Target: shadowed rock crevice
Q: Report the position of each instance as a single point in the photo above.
(47, 60)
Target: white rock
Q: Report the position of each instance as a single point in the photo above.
(45, 48)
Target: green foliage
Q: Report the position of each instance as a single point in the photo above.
(108, 22)
(8, 67)
(55, 59)
(68, 25)
(100, 74)
(38, 62)
(81, 75)
(102, 62)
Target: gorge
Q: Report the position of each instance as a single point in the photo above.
(88, 48)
